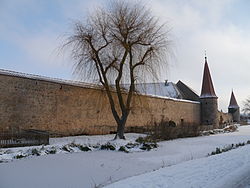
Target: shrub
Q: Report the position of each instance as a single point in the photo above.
(84, 148)
(230, 128)
(229, 147)
(242, 144)
(218, 151)
(107, 146)
(73, 145)
(34, 151)
(167, 130)
(131, 145)
(19, 156)
(213, 153)
(140, 140)
(66, 148)
(238, 145)
(51, 151)
(123, 149)
(96, 146)
(148, 143)
(148, 146)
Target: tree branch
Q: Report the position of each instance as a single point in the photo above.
(142, 61)
(117, 82)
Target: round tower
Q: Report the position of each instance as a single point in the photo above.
(208, 99)
(234, 109)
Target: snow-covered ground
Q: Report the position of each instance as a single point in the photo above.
(69, 145)
(228, 170)
(176, 162)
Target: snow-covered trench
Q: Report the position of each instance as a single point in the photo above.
(226, 170)
(98, 168)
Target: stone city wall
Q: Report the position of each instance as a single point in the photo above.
(67, 109)
(225, 119)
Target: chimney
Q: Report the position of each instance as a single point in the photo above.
(166, 82)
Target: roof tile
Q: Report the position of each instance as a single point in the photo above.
(207, 90)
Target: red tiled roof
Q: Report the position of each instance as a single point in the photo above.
(233, 102)
(207, 90)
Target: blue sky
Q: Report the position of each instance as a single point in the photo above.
(32, 32)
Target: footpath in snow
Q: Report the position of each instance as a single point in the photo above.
(99, 168)
(227, 170)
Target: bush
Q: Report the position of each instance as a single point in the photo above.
(148, 143)
(167, 130)
(73, 145)
(228, 148)
(35, 152)
(66, 148)
(230, 128)
(107, 146)
(131, 145)
(218, 151)
(19, 156)
(96, 146)
(123, 149)
(240, 144)
(51, 151)
(213, 153)
(140, 140)
(84, 148)
(148, 146)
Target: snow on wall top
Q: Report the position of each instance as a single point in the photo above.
(157, 90)
(48, 79)
(168, 89)
(173, 99)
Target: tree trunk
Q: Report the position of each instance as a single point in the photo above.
(121, 127)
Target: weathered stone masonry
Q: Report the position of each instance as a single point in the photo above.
(67, 109)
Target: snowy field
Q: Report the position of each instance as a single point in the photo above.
(175, 163)
(68, 145)
(228, 170)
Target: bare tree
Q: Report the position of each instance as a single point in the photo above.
(116, 45)
(246, 108)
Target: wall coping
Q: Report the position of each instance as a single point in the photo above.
(48, 79)
(77, 83)
(169, 98)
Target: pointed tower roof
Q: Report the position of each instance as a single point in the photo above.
(233, 102)
(207, 90)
